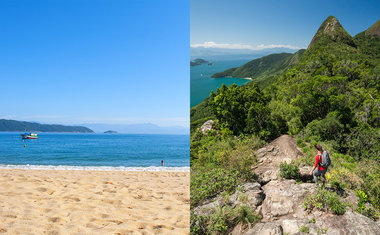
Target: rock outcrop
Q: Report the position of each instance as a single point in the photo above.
(284, 198)
(207, 126)
(349, 223)
(282, 149)
(253, 197)
(278, 201)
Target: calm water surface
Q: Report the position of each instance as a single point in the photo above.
(94, 150)
(201, 83)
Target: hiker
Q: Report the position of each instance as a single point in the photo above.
(322, 161)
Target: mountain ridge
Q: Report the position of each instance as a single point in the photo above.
(14, 125)
(331, 29)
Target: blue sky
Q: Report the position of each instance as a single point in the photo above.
(95, 61)
(265, 24)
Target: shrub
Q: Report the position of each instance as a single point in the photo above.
(329, 128)
(325, 200)
(208, 183)
(220, 220)
(304, 229)
(241, 159)
(289, 171)
(342, 178)
(369, 171)
(245, 216)
(198, 224)
(300, 143)
(364, 207)
(321, 230)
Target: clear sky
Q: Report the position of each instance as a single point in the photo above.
(95, 61)
(259, 24)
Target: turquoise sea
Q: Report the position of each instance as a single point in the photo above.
(95, 151)
(201, 83)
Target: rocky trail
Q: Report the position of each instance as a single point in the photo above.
(278, 201)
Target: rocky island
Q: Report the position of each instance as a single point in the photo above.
(110, 132)
(199, 62)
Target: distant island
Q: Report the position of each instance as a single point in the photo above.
(110, 132)
(13, 125)
(199, 62)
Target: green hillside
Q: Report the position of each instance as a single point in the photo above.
(13, 125)
(328, 95)
(259, 67)
(368, 42)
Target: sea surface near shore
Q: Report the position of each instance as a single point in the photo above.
(94, 202)
(111, 152)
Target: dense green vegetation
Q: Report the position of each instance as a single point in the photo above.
(325, 200)
(222, 220)
(328, 94)
(290, 171)
(12, 125)
(262, 67)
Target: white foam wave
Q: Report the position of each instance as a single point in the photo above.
(95, 168)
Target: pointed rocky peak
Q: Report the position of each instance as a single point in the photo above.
(333, 30)
(374, 30)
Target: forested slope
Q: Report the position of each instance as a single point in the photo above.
(328, 95)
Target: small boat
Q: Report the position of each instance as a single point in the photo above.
(29, 135)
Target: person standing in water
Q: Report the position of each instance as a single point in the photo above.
(162, 162)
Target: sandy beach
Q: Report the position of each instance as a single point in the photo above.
(94, 202)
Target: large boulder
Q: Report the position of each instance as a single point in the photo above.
(207, 126)
(253, 195)
(304, 173)
(349, 223)
(210, 206)
(284, 197)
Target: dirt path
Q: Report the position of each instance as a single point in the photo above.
(282, 149)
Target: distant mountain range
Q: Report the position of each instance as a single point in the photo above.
(145, 128)
(13, 125)
(233, 54)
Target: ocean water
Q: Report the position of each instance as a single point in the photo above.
(95, 151)
(201, 83)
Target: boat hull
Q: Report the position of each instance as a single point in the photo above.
(29, 137)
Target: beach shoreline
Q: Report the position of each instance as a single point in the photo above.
(96, 168)
(94, 202)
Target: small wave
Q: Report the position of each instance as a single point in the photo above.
(95, 168)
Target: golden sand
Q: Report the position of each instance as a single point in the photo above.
(94, 202)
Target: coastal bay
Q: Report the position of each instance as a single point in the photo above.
(201, 83)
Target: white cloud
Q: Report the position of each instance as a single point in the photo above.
(241, 46)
